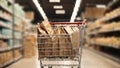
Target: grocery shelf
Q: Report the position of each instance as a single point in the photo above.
(114, 4)
(17, 47)
(5, 37)
(18, 38)
(110, 30)
(95, 27)
(5, 8)
(7, 63)
(10, 62)
(17, 30)
(9, 11)
(4, 18)
(11, 21)
(103, 44)
(9, 48)
(105, 31)
(106, 19)
(5, 25)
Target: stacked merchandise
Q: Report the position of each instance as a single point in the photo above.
(7, 56)
(111, 26)
(29, 41)
(115, 41)
(113, 13)
(10, 49)
(58, 41)
(105, 31)
(29, 44)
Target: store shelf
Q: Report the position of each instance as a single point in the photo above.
(17, 30)
(5, 8)
(4, 18)
(103, 44)
(110, 30)
(116, 29)
(5, 25)
(9, 11)
(5, 37)
(18, 38)
(10, 25)
(10, 62)
(96, 27)
(7, 63)
(106, 19)
(114, 4)
(10, 48)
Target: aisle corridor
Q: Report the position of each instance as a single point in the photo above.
(89, 60)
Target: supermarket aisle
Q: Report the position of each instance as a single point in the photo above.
(93, 60)
(89, 60)
(25, 63)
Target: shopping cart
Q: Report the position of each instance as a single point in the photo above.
(56, 51)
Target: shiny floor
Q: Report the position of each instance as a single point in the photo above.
(90, 59)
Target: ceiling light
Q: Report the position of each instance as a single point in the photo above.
(60, 11)
(101, 6)
(58, 7)
(75, 10)
(54, 1)
(40, 9)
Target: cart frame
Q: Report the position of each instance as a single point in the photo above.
(81, 26)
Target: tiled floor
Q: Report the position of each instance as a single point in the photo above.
(89, 60)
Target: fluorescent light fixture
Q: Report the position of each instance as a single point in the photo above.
(40, 9)
(75, 11)
(58, 7)
(52, 1)
(101, 6)
(60, 11)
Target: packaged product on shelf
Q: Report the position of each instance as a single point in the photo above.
(6, 32)
(17, 53)
(3, 44)
(107, 40)
(19, 10)
(114, 12)
(29, 45)
(9, 56)
(110, 26)
(18, 34)
(5, 57)
(29, 15)
(10, 42)
(6, 15)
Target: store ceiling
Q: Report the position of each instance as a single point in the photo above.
(68, 6)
